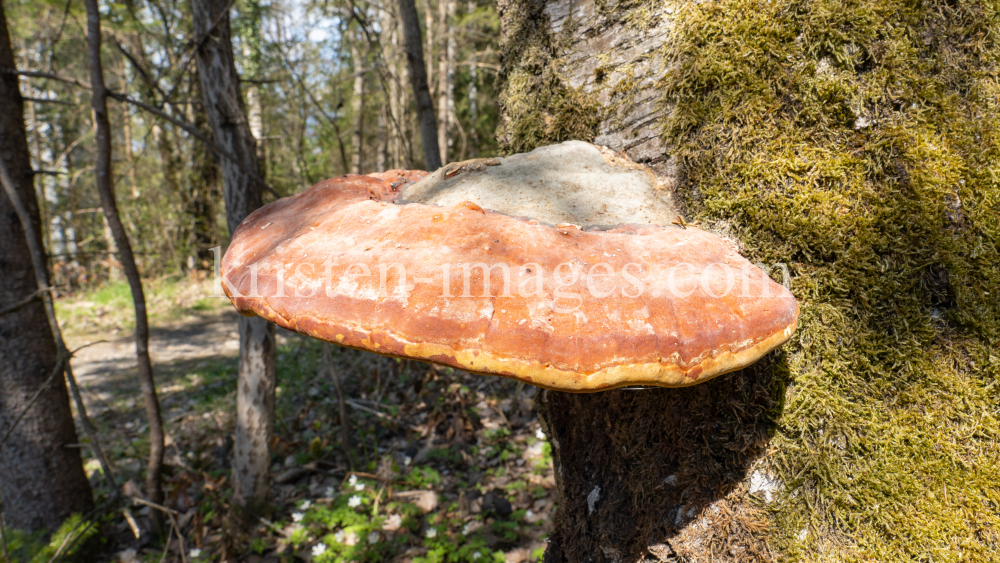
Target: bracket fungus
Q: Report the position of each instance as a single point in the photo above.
(560, 267)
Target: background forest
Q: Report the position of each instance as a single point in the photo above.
(331, 76)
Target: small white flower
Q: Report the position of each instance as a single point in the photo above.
(540, 435)
(305, 505)
(329, 492)
(466, 529)
(353, 480)
(359, 487)
(297, 516)
(432, 533)
(354, 501)
(476, 555)
(374, 537)
(194, 553)
(339, 536)
(408, 460)
(529, 514)
(319, 549)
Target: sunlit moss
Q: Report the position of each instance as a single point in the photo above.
(857, 142)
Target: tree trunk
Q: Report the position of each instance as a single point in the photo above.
(255, 387)
(41, 480)
(204, 184)
(444, 78)
(473, 94)
(358, 109)
(418, 79)
(634, 467)
(105, 186)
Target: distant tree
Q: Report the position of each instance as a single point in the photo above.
(243, 187)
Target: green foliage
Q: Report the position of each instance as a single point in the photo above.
(26, 547)
(422, 477)
(444, 547)
(857, 142)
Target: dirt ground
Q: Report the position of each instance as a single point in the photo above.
(454, 463)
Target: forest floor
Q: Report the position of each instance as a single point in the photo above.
(447, 465)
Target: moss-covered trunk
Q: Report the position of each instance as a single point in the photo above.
(857, 144)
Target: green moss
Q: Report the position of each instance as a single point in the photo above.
(538, 107)
(858, 143)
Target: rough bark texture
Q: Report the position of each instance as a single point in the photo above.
(645, 473)
(224, 105)
(106, 189)
(42, 482)
(418, 79)
(577, 70)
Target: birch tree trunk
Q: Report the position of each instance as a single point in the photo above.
(446, 79)
(473, 94)
(41, 481)
(105, 187)
(223, 101)
(358, 108)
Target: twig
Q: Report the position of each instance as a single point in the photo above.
(61, 361)
(273, 526)
(166, 548)
(47, 101)
(62, 545)
(24, 302)
(338, 385)
(193, 131)
(174, 527)
(131, 522)
(151, 504)
(366, 409)
(49, 75)
(86, 519)
(180, 538)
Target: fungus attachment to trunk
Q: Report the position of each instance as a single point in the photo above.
(560, 267)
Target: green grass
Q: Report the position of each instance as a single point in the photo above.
(110, 307)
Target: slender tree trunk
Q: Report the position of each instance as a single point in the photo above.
(223, 101)
(392, 134)
(204, 182)
(383, 141)
(41, 481)
(429, 29)
(105, 186)
(446, 76)
(473, 94)
(358, 109)
(418, 78)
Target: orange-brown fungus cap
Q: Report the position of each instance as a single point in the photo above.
(568, 308)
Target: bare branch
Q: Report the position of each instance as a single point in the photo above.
(47, 101)
(18, 305)
(191, 129)
(48, 75)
